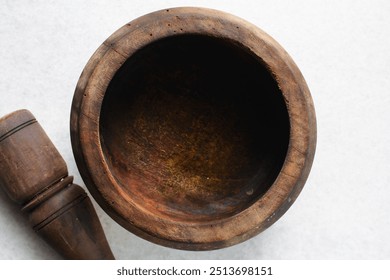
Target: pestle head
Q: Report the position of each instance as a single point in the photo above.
(29, 162)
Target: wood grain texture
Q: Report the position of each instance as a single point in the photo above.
(193, 128)
(34, 175)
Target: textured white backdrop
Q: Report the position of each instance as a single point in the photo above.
(342, 49)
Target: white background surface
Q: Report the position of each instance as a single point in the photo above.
(342, 49)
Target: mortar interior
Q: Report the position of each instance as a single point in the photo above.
(194, 128)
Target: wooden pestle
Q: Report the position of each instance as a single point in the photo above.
(33, 174)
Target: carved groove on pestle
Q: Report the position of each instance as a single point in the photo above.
(47, 193)
(61, 211)
(16, 129)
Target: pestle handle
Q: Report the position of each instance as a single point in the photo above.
(34, 175)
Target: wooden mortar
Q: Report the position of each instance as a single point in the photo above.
(193, 128)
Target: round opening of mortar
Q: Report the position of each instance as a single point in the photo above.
(194, 128)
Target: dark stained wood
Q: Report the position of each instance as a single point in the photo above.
(193, 128)
(34, 175)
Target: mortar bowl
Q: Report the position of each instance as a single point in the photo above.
(193, 128)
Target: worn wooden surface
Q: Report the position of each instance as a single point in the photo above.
(193, 128)
(34, 175)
